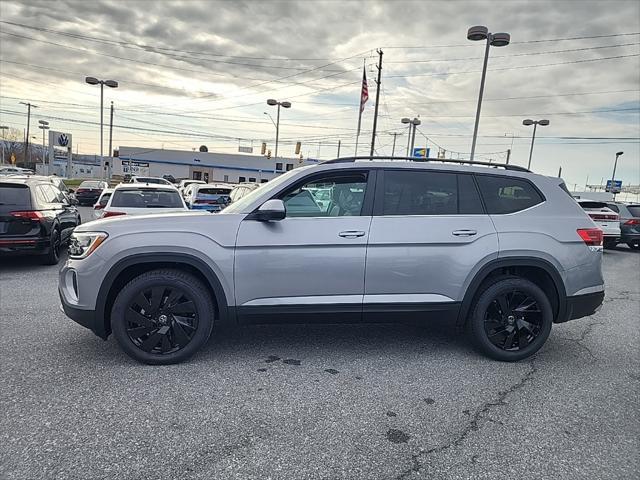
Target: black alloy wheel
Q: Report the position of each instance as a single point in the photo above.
(511, 319)
(163, 316)
(52, 257)
(161, 319)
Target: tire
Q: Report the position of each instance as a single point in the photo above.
(610, 244)
(159, 336)
(516, 333)
(52, 257)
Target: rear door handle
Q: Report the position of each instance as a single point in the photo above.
(464, 233)
(351, 234)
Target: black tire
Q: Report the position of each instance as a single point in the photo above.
(517, 331)
(52, 257)
(166, 293)
(610, 244)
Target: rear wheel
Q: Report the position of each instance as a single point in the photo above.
(511, 319)
(52, 257)
(162, 317)
(610, 243)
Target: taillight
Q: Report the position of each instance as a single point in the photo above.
(28, 214)
(112, 214)
(591, 236)
(602, 216)
(633, 221)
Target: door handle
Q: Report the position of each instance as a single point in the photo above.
(464, 233)
(351, 234)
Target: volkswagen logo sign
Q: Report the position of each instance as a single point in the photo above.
(63, 140)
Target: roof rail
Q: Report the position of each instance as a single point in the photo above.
(506, 166)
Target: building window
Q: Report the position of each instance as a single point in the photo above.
(279, 167)
(197, 175)
(289, 166)
(264, 180)
(226, 178)
(241, 179)
(252, 179)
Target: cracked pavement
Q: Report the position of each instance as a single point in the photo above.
(318, 402)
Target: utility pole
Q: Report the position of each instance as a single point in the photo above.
(393, 150)
(375, 113)
(339, 142)
(508, 155)
(110, 144)
(560, 172)
(26, 138)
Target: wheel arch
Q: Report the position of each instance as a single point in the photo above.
(542, 272)
(129, 267)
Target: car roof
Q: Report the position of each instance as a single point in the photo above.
(24, 179)
(138, 186)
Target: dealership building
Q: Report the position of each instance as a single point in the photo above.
(210, 167)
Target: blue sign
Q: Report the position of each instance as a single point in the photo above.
(617, 186)
(421, 152)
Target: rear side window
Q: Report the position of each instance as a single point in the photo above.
(634, 209)
(507, 194)
(14, 197)
(104, 199)
(429, 193)
(146, 198)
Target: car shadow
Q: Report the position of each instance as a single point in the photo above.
(20, 263)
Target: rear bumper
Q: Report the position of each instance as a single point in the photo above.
(22, 246)
(579, 306)
(630, 237)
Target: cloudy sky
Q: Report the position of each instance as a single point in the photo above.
(194, 73)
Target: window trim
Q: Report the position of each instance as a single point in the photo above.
(378, 208)
(369, 194)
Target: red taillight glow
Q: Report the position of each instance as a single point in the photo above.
(591, 236)
(633, 221)
(604, 216)
(112, 214)
(28, 214)
(80, 190)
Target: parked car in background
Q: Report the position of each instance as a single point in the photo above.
(98, 207)
(629, 222)
(211, 197)
(185, 183)
(154, 180)
(89, 191)
(36, 218)
(15, 170)
(604, 218)
(143, 199)
(241, 190)
(502, 254)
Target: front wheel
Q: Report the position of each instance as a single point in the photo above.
(162, 317)
(511, 319)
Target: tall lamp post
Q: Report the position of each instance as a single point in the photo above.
(478, 33)
(412, 135)
(528, 122)
(613, 175)
(102, 83)
(273, 102)
(4, 128)
(44, 126)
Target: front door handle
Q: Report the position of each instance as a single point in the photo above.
(464, 233)
(351, 234)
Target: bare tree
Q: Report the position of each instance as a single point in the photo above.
(13, 145)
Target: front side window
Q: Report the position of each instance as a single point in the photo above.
(507, 194)
(345, 196)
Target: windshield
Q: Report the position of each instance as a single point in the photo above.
(634, 209)
(89, 184)
(214, 191)
(146, 198)
(593, 205)
(160, 181)
(241, 204)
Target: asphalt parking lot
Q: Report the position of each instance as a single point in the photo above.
(318, 402)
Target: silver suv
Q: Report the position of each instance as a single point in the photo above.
(498, 250)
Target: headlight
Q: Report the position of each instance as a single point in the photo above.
(82, 244)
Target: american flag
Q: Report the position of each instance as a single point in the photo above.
(364, 95)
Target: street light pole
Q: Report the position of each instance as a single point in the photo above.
(4, 128)
(412, 134)
(44, 126)
(613, 175)
(535, 123)
(273, 102)
(493, 39)
(102, 83)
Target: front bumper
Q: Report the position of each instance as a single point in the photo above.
(86, 318)
(579, 306)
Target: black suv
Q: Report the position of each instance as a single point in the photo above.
(35, 217)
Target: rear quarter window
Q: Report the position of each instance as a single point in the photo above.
(503, 195)
(634, 209)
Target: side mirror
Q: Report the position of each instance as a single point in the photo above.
(271, 210)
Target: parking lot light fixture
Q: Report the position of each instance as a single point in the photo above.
(284, 104)
(613, 175)
(102, 83)
(528, 122)
(44, 126)
(475, 34)
(413, 123)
